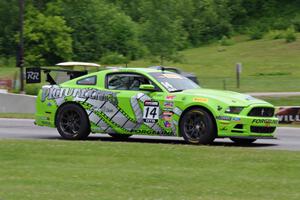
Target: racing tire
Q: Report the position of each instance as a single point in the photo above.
(242, 141)
(119, 136)
(72, 122)
(197, 127)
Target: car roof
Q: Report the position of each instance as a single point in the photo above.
(131, 69)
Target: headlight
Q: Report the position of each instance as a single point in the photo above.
(234, 110)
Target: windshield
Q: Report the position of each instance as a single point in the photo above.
(174, 82)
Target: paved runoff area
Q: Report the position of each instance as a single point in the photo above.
(287, 138)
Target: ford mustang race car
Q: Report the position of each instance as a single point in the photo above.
(127, 101)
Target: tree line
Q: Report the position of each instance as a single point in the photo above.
(110, 31)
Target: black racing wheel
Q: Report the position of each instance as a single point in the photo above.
(72, 122)
(197, 127)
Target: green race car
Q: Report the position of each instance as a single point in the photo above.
(141, 101)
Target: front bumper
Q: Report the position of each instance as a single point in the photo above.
(246, 126)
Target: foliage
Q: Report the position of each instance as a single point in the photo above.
(9, 27)
(256, 33)
(32, 89)
(7, 61)
(114, 58)
(47, 39)
(87, 30)
(100, 28)
(276, 34)
(225, 41)
(161, 30)
(290, 35)
(296, 23)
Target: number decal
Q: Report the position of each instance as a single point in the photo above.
(151, 111)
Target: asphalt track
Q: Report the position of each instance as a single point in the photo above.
(287, 138)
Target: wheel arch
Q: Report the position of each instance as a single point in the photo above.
(202, 107)
(68, 103)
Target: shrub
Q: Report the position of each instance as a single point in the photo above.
(290, 35)
(225, 41)
(114, 58)
(256, 34)
(296, 23)
(281, 24)
(276, 34)
(32, 89)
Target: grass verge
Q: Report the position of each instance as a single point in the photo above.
(115, 170)
(268, 65)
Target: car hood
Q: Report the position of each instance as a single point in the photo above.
(228, 97)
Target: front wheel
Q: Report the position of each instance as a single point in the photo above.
(242, 141)
(72, 122)
(197, 127)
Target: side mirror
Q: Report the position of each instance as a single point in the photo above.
(147, 87)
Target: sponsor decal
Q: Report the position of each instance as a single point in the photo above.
(170, 97)
(167, 124)
(151, 111)
(236, 119)
(264, 121)
(58, 92)
(168, 105)
(200, 99)
(225, 118)
(167, 115)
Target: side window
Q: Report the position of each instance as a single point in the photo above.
(126, 81)
(91, 80)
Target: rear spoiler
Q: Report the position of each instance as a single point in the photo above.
(33, 74)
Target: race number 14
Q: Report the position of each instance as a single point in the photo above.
(151, 111)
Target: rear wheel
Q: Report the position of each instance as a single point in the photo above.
(72, 122)
(242, 141)
(119, 136)
(197, 127)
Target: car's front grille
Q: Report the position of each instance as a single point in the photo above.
(262, 129)
(261, 112)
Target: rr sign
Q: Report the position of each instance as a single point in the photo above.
(33, 75)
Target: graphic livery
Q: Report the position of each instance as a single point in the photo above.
(173, 106)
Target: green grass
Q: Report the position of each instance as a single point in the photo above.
(17, 115)
(8, 72)
(268, 65)
(120, 170)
